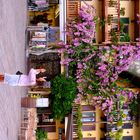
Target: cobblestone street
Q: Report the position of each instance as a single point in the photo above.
(12, 58)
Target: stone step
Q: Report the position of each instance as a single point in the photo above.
(88, 127)
(88, 108)
(91, 138)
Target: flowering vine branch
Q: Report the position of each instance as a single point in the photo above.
(96, 68)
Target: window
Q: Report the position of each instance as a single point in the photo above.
(124, 25)
(125, 21)
(43, 12)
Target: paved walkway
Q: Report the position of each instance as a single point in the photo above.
(12, 58)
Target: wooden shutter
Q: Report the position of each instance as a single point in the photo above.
(73, 7)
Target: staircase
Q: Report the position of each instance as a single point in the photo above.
(86, 126)
(112, 14)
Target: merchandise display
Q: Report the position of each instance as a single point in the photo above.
(38, 39)
(37, 5)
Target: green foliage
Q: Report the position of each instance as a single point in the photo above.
(125, 38)
(134, 107)
(102, 22)
(114, 38)
(79, 55)
(63, 94)
(117, 135)
(119, 123)
(41, 134)
(78, 116)
(121, 27)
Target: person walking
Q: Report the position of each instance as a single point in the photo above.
(23, 80)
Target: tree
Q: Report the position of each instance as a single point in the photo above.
(63, 94)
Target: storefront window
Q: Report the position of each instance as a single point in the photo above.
(43, 11)
(43, 32)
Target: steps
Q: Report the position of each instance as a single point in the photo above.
(87, 117)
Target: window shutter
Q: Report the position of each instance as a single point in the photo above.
(73, 7)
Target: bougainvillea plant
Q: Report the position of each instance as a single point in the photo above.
(96, 67)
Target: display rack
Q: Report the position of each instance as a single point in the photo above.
(37, 39)
(40, 39)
